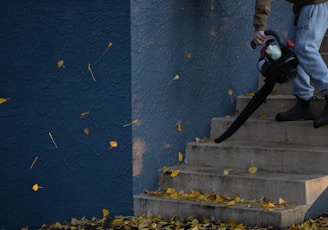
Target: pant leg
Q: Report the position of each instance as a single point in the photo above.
(311, 27)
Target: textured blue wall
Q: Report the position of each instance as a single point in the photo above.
(217, 34)
(83, 175)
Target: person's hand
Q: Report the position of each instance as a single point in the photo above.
(259, 37)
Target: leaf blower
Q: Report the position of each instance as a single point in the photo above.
(277, 63)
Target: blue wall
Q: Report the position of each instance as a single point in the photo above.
(83, 175)
(217, 34)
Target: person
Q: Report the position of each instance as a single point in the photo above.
(309, 25)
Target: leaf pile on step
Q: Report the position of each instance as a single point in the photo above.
(222, 200)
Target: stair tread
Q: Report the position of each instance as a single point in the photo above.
(290, 206)
(260, 145)
(260, 174)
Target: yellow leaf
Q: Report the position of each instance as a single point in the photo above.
(113, 144)
(231, 203)
(175, 173)
(3, 100)
(170, 191)
(230, 92)
(264, 116)
(282, 201)
(218, 198)
(180, 157)
(83, 114)
(86, 131)
(105, 212)
(165, 169)
(60, 64)
(36, 187)
(188, 55)
(178, 127)
(251, 94)
(226, 172)
(252, 169)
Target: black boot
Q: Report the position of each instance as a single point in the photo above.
(303, 110)
(323, 118)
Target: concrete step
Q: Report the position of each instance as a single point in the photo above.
(306, 188)
(167, 208)
(270, 131)
(273, 157)
(275, 104)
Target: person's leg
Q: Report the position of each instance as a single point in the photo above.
(309, 31)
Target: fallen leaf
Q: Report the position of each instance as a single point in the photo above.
(180, 157)
(165, 169)
(226, 172)
(252, 169)
(230, 92)
(105, 212)
(250, 94)
(175, 173)
(197, 139)
(282, 201)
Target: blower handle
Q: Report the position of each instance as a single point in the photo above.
(270, 33)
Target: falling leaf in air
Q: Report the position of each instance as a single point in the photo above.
(178, 127)
(180, 157)
(34, 161)
(113, 144)
(107, 48)
(36, 187)
(90, 70)
(230, 92)
(83, 114)
(53, 140)
(176, 77)
(188, 55)
(175, 173)
(60, 64)
(3, 100)
(252, 169)
(131, 123)
(86, 131)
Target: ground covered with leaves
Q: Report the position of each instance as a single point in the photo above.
(150, 222)
(156, 222)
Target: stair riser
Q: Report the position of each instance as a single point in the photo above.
(267, 130)
(304, 192)
(274, 105)
(252, 217)
(286, 160)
